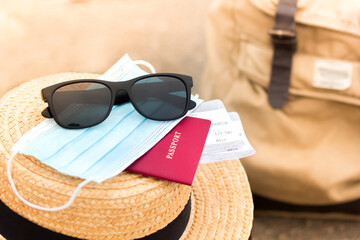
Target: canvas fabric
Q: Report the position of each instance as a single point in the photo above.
(308, 152)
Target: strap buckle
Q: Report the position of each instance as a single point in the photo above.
(283, 39)
(280, 33)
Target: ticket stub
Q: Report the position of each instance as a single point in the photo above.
(226, 139)
(221, 134)
(241, 150)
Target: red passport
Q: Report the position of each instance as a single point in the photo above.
(176, 157)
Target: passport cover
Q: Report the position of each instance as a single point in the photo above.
(176, 157)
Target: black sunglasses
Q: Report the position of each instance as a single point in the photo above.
(87, 102)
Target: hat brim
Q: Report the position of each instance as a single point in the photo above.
(222, 206)
(222, 203)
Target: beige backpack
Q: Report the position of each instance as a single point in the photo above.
(296, 84)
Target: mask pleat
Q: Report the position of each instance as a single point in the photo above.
(88, 139)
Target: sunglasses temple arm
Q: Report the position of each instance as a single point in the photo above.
(47, 113)
(192, 105)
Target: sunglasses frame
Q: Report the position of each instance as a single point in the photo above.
(115, 88)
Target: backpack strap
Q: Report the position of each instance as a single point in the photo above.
(284, 39)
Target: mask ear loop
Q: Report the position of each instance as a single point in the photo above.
(145, 63)
(55, 209)
(78, 188)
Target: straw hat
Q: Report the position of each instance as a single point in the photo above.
(127, 206)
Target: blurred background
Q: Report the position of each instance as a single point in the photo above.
(45, 37)
(39, 37)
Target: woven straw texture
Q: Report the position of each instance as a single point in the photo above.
(127, 206)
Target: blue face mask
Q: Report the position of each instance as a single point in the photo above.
(100, 152)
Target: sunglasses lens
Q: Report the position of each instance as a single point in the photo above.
(160, 98)
(81, 105)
